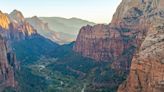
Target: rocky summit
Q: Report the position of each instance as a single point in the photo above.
(11, 28)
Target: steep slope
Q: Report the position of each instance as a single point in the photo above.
(8, 66)
(115, 42)
(147, 69)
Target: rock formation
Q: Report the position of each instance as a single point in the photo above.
(137, 28)
(4, 21)
(8, 66)
(115, 42)
(17, 16)
(147, 69)
(13, 27)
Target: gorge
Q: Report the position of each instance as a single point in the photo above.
(126, 55)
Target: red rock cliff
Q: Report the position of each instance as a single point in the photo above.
(136, 23)
(14, 27)
(8, 66)
(147, 69)
(117, 41)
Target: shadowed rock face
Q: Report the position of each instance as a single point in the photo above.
(8, 65)
(147, 69)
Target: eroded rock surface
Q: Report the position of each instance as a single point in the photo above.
(8, 66)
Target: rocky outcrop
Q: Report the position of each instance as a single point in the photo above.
(12, 28)
(147, 69)
(8, 65)
(17, 16)
(19, 24)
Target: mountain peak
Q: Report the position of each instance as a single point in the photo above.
(16, 16)
(16, 12)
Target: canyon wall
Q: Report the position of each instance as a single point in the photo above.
(8, 66)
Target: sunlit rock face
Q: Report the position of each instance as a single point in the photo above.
(19, 22)
(4, 21)
(13, 26)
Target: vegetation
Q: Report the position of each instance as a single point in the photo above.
(29, 82)
(31, 49)
(67, 71)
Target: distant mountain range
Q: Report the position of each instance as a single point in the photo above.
(60, 30)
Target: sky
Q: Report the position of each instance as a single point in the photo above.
(98, 11)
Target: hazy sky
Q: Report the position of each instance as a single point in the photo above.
(99, 11)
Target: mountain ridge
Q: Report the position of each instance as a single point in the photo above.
(58, 29)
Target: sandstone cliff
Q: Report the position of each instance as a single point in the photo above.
(8, 65)
(136, 27)
(115, 42)
(147, 69)
(13, 27)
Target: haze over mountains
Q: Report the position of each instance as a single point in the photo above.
(57, 29)
(126, 55)
(60, 30)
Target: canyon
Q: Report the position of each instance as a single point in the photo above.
(126, 55)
